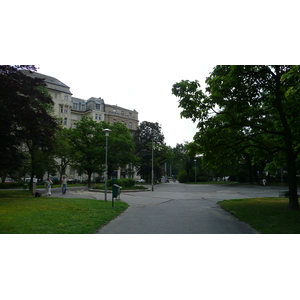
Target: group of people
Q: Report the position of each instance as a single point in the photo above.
(48, 183)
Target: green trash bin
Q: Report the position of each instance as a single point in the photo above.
(116, 191)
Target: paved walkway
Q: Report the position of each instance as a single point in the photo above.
(184, 209)
(175, 208)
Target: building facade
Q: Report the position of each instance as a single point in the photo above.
(71, 110)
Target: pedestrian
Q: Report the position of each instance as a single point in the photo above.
(64, 185)
(48, 183)
(264, 181)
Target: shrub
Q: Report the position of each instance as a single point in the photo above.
(125, 182)
(202, 178)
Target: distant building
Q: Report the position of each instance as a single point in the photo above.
(129, 118)
(71, 110)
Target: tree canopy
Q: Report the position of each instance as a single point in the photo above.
(26, 123)
(147, 133)
(88, 146)
(251, 110)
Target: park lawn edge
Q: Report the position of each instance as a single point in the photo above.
(267, 215)
(25, 214)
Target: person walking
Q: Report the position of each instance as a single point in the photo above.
(48, 183)
(64, 185)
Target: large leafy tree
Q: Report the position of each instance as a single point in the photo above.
(120, 147)
(149, 134)
(26, 124)
(88, 147)
(247, 108)
(63, 150)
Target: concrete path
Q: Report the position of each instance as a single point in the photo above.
(175, 208)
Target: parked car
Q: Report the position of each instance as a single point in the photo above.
(140, 180)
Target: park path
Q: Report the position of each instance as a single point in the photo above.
(175, 208)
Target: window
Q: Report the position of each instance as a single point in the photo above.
(100, 117)
(65, 121)
(75, 106)
(66, 98)
(65, 110)
(96, 116)
(122, 113)
(130, 114)
(115, 120)
(130, 125)
(55, 95)
(61, 108)
(98, 106)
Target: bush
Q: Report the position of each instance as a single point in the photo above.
(182, 176)
(12, 185)
(124, 182)
(202, 178)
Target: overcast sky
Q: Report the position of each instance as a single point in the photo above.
(130, 53)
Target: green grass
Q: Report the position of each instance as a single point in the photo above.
(22, 213)
(267, 215)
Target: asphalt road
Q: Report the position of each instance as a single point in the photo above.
(175, 208)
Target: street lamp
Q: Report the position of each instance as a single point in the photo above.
(107, 131)
(152, 168)
(195, 160)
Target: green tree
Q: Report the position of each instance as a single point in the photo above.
(120, 147)
(26, 124)
(146, 134)
(63, 150)
(88, 147)
(254, 107)
(88, 144)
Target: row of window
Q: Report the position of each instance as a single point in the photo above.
(114, 112)
(130, 124)
(65, 121)
(66, 97)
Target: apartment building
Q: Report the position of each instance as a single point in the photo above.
(71, 110)
(93, 108)
(115, 113)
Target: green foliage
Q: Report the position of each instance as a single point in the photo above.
(88, 144)
(124, 182)
(87, 141)
(183, 177)
(147, 133)
(249, 113)
(27, 125)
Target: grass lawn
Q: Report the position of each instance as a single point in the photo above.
(20, 212)
(267, 215)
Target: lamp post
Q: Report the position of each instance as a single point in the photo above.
(107, 131)
(195, 170)
(152, 168)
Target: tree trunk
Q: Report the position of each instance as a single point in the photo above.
(292, 179)
(89, 179)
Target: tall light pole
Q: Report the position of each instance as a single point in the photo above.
(107, 131)
(152, 168)
(195, 170)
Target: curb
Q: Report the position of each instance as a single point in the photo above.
(122, 191)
